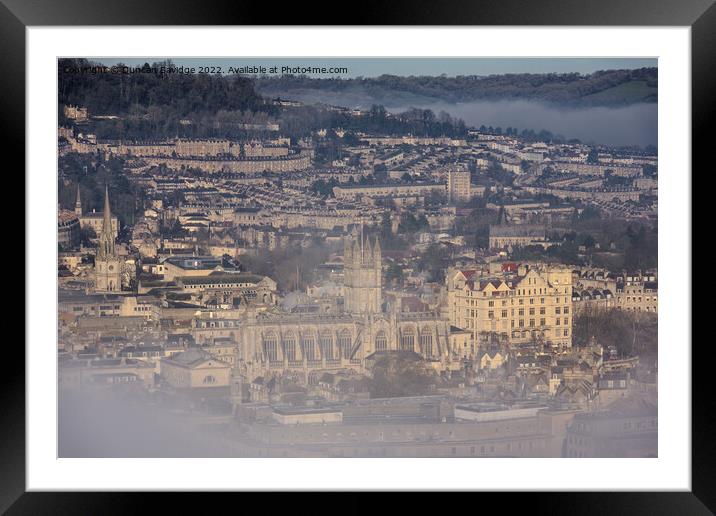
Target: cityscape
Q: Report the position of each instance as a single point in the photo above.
(326, 265)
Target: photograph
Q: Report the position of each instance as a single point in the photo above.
(351, 257)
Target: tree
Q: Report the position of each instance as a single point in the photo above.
(87, 235)
(394, 273)
(593, 156)
(399, 375)
(435, 198)
(616, 328)
(650, 170)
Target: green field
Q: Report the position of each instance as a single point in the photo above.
(626, 93)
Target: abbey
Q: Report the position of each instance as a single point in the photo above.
(275, 342)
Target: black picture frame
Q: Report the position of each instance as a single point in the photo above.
(700, 15)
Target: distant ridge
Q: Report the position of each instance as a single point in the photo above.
(601, 88)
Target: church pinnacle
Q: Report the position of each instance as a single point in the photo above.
(377, 253)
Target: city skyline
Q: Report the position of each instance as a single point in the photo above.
(281, 278)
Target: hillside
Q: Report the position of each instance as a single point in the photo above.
(603, 88)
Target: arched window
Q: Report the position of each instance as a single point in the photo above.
(289, 346)
(381, 342)
(407, 340)
(327, 346)
(344, 343)
(271, 347)
(308, 343)
(426, 342)
(209, 379)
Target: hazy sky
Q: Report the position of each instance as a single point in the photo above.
(372, 66)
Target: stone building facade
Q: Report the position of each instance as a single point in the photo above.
(533, 306)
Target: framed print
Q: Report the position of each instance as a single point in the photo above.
(365, 258)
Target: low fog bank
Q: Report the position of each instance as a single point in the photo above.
(92, 425)
(634, 124)
(626, 125)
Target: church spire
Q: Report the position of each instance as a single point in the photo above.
(106, 240)
(107, 222)
(78, 202)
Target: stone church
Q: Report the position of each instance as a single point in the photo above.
(275, 342)
(107, 264)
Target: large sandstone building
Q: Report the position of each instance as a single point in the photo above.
(526, 305)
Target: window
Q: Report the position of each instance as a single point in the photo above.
(426, 342)
(289, 346)
(309, 346)
(381, 342)
(344, 343)
(208, 379)
(270, 347)
(407, 340)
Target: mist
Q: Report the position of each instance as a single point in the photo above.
(95, 425)
(635, 124)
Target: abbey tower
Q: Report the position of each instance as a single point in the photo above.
(362, 275)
